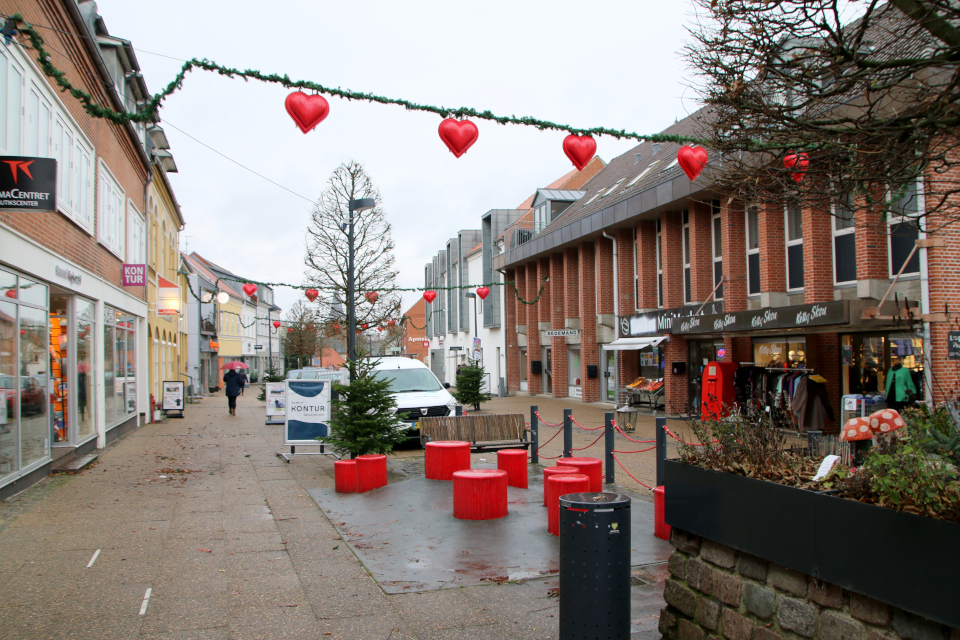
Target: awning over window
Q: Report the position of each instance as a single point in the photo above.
(630, 344)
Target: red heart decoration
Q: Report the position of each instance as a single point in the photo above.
(311, 294)
(429, 296)
(798, 161)
(692, 160)
(458, 135)
(289, 329)
(365, 325)
(276, 324)
(249, 289)
(372, 296)
(336, 327)
(306, 111)
(11, 293)
(391, 323)
(379, 328)
(580, 149)
(483, 292)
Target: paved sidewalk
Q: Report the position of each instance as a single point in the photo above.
(195, 529)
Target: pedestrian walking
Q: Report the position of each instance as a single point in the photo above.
(232, 379)
(244, 380)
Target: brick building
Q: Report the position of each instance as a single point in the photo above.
(73, 331)
(648, 274)
(413, 331)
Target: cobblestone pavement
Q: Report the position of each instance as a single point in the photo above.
(195, 529)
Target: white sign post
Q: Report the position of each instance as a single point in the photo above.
(172, 397)
(307, 410)
(276, 394)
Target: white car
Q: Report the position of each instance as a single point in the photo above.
(417, 391)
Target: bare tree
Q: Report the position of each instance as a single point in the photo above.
(327, 249)
(870, 97)
(299, 336)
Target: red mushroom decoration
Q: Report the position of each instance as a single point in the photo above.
(311, 294)
(372, 296)
(856, 429)
(429, 296)
(483, 292)
(276, 324)
(249, 288)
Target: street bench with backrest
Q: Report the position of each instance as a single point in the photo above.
(486, 432)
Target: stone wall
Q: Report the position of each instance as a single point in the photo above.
(716, 592)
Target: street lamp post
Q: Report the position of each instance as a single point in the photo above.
(471, 294)
(360, 205)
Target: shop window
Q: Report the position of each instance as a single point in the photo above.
(753, 251)
(904, 230)
(659, 264)
(119, 359)
(717, 242)
(111, 212)
(794, 230)
(687, 284)
(844, 242)
(11, 105)
(780, 352)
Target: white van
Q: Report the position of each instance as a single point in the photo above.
(417, 391)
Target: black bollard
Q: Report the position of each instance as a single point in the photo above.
(567, 432)
(608, 442)
(534, 435)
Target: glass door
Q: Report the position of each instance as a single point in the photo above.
(610, 376)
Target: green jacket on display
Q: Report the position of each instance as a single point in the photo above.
(899, 378)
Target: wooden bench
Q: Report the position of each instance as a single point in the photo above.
(485, 432)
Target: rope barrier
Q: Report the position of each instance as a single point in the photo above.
(642, 484)
(549, 424)
(690, 444)
(548, 442)
(632, 439)
(591, 444)
(574, 420)
(640, 451)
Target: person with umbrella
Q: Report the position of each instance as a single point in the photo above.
(232, 379)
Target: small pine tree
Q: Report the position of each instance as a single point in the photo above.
(270, 375)
(364, 418)
(469, 382)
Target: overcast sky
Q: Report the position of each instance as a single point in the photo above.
(613, 64)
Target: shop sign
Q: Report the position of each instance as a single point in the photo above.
(797, 317)
(68, 275)
(953, 345)
(28, 183)
(172, 399)
(656, 323)
(168, 301)
(258, 347)
(307, 410)
(561, 333)
(426, 344)
(134, 275)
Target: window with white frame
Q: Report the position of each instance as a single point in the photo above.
(540, 218)
(794, 237)
(11, 104)
(753, 250)
(844, 241)
(111, 212)
(904, 225)
(659, 264)
(136, 237)
(716, 239)
(687, 281)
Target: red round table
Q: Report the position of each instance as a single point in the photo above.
(590, 467)
(443, 457)
(514, 462)
(550, 471)
(371, 472)
(480, 494)
(345, 476)
(560, 485)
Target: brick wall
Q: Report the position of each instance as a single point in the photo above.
(589, 350)
(558, 345)
(647, 263)
(701, 254)
(512, 319)
(823, 356)
(534, 381)
(817, 255)
(628, 362)
(734, 255)
(871, 230)
(676, 387)
(604, 279)
(717, 592)
(770, 222)
(672, 248)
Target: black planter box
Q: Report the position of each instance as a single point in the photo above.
(908, 561)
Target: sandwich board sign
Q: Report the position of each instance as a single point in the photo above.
(307, 410)
(172, 397)
(276, 394)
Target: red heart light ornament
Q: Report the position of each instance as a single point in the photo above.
(311, 294)
(336, 327)
(249, 288)
(692, 160)
(11, 293)
(483, 292)
(289, 329)
(276, 324)
(429, 296)
(391, 323)
(380, 329)
(372, 296)
(365, 325)
(580, 149)
(798, 161)
(307, 111)
(458, 135)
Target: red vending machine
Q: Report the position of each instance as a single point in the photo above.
(717, 394)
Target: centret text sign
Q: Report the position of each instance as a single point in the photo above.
(28, 183)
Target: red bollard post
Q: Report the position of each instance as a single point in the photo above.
(514, 462)
(561, 485)
(550, 471)
(345, 476)
(371, 472)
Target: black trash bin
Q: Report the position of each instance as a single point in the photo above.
(594, 566)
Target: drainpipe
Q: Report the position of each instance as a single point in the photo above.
(616, 308)
(146, 253)
(925, 309)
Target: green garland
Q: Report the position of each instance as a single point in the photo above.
(516, 292)
(149, 112)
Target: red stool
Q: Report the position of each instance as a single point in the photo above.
(660, 528)
(345, 476)
(480, 494)
(371, 472)
(514, 462)
(561, 485)
(550, 471)
(444, 457)
(590, 467)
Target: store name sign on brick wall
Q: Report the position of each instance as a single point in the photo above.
(134, 275)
